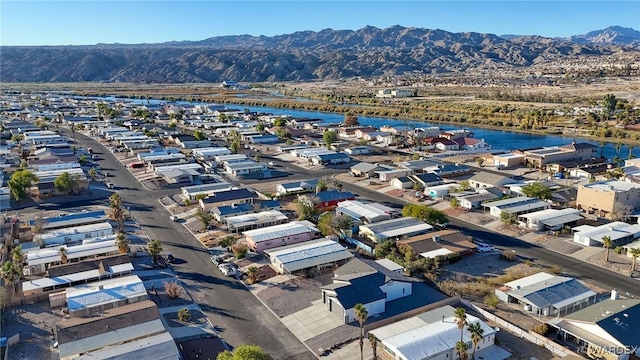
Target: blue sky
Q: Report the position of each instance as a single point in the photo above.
(26, 22)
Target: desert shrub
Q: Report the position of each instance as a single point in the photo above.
(491, 301)
(528, 263)
(541, 329)
(184, 314)
(172, 289)
(555, 269)
(239, 250)
(619, 250)
(508, 255)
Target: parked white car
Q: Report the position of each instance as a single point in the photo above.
(227, 270)
(482, 247)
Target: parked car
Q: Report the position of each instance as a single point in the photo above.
(216, 260)
(271, 163)
(227, 270)
(173, 218)
(110, 186)
(485, 248)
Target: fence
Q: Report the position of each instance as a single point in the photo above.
(527, 335)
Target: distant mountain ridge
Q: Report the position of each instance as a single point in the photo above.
(303, 55)
(613, 35)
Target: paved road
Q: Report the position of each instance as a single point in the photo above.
(237, 314)
(575, 268)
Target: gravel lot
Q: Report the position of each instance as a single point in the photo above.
(561, 245)
(289, 298)
(342, 333)
(35, 324)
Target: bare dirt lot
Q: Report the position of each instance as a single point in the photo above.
(35, 323)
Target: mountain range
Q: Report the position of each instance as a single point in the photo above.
(304, 55)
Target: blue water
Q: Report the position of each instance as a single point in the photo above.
(499, 140)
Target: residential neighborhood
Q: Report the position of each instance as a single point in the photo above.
(188, 230)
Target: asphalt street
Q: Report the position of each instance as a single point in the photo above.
(575, 268)
(236, 314)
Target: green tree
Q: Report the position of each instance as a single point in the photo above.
(20, 182)
(205, 217)
(635, 252)
(11, 275)
(236, 145)
(279, 122)
(477, 332)
(455, 202)
(83, 159)
(307, 207)
(609, 104)
(93, 174)
(425, 213)
(461, 319)
(184, 314)
(122, 242)
(198, 135)
(374, 345)
(228, 241)
(537, 190)
(253, 273)
(282, 133)
(155, 248)
(506, 218)
(607, 243)
(63, 183)
(245, 352)
(464, 185)
(461, 349)
(17, 256)
(601, 144)
(260, 128)
(325, 224)
(329, 137)
(480, 161)
(361, 313)
(630, 155)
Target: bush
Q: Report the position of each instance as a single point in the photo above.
(508, 255)
(240, 251)
(491, 301)
(556, 269)
(172, 289)
(541, 329)
(619, 250)
(184, 314)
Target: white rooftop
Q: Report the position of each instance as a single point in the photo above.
(549, 214)
(50, 255)
(358, 209)
(310, 253)
(420, 337)
(82, 229)
(389, 265)
(278, 231)
(529, 280)
(613, 185)
(71, 278)
(257, 218)
(102, 292)
(615, 230)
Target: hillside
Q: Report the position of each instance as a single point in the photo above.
(306, 55)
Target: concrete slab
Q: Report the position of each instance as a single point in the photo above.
(352, 351)
(587, 252)
(312, 321)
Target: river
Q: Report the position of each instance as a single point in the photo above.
(498, 139)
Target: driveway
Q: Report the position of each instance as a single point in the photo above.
(312, 321)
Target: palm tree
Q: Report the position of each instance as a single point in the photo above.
(122, 242)
(618, 147)
(63, 254)
(155, 248)
(461, 319)
(476, 331)
(374, 345)
(93, 174)
(17, 256)
(461, 349)
(635, 252)
(10, 274)
(607, 244)
(115, 202)
(361, 313)
(630, 156)
(253, 272)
